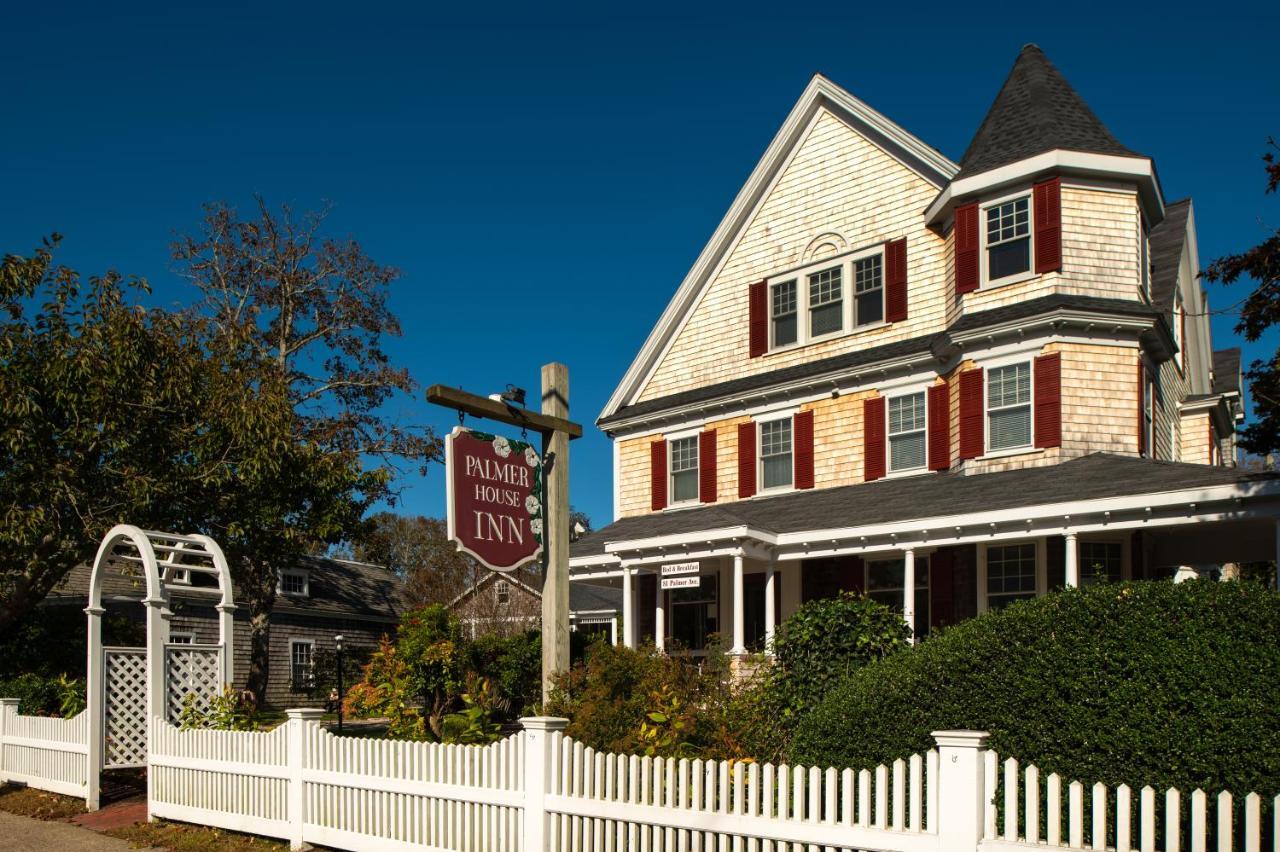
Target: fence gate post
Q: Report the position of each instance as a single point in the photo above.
(962, 799)
(8, 709)
(537, 775)
(300, 723)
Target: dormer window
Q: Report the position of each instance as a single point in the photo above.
(826, 302)
(1008, 238)
(294, 583)
(830, 297)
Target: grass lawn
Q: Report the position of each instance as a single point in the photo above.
(37, 804)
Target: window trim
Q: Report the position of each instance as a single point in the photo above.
(922, 392)
(188, 637)
(306, 583)
(789, 416)
(1042, 568)
(687, 435)
(984, 279)
(1028, 447)
(848, 313)
(311, 664)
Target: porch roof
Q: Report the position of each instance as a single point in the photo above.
(931, 496)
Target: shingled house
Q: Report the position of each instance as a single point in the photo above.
(949, 384)
(317, 599)
(505, 604)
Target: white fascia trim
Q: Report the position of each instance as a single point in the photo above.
(1089, 320)
(734, 534)
(820, 92)
(1029, 514)
(1139, 169)
(1201, 406)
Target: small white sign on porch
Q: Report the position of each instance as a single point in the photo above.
(680, 568)
(681, 582)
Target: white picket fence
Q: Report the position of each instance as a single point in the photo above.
(44, 752)
(1027, 811)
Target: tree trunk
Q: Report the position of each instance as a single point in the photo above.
(260, 606)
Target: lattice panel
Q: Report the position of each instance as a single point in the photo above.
(126, 716)
(193, 672)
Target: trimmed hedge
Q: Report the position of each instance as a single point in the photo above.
(1137, 683)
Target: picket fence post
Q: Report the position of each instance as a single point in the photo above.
(8, 709)
(537, 774)
(300, 722)
(962, 793)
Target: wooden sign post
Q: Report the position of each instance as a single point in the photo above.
(556, 430)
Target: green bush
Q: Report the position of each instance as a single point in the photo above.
(513, 664)
(1135, 683)
(39, 695)
(819, 646)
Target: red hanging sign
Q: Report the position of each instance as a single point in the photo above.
(494, 498)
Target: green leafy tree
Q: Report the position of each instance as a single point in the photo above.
(307, 316)
(419, 550)
(1260, 311)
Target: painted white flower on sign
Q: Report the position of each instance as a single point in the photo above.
(530, 457)
(531, 504)
(536, 526)
(502, 447)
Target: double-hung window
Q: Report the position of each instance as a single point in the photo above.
(684, 469)
(826, 301)
(783, 301)
(907, 432)
(1008, 238)
(1100, 562)
(1009, 406)
(827, 298)
(775, 453)
(300, 659)
(1011, 573)
(502, 592)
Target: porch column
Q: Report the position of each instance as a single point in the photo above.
(660, 616)
(739, 628)
(909, 592)
(770, 617)
(628, 615)
(1072, 560)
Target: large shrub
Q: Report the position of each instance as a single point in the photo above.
(1136, 683)
(816, 648)
(513, 664)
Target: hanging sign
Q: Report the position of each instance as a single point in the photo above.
(494, 498)
(680, 568)
(681, 582)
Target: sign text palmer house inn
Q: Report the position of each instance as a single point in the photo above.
(948, 384)
(495, 496)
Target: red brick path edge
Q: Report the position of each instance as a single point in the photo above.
(119, 814)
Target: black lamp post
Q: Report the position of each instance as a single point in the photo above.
(338, 641)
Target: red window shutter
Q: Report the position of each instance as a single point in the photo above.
(758, 319)
(746, 459)
(972, 435)
(939, 427)
(1047, 201)
(895, 280)
(658, 475)
(873, 438)
(966, 239)
(1142, 415)
(707, 466)
(1048, 402)
(802, 435)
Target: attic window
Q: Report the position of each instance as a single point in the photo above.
(294, 583)
(502, 591)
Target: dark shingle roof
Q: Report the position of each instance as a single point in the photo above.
(1037, 110)
(876, 354)
(584, 597)
(1226, 370)
(335, 587)
(1095, 476)
(1166, 241)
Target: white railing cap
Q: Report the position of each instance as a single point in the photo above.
(543, 723)
(961, 739)
(307, 714)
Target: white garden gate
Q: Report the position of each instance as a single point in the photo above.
(129, 687)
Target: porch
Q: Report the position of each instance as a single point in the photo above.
(741, 568)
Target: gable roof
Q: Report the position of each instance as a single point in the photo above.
(821, 93)
(1096, 476)
(1036, 111)
(583, 597)
(335, 587)
(1166, 241)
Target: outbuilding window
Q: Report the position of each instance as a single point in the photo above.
(502, 591)
(294, 583)
(300, 658)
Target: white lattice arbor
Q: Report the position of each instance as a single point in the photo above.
(129, 687)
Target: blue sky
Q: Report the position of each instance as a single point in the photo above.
(544, 175)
